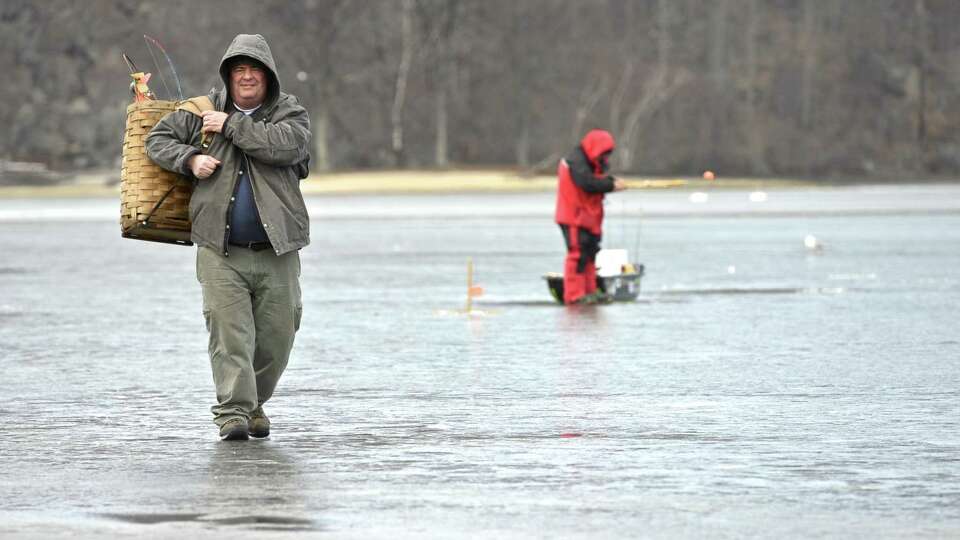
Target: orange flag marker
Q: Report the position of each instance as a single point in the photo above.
(473, 291)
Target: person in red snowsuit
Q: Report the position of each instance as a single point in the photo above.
(582, 181)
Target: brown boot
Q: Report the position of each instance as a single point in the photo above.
(259, 425)
(234, 429)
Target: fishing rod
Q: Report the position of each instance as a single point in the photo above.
(130, 64)
(141, 91)
(154, 43)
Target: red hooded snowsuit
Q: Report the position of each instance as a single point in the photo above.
(582, 182)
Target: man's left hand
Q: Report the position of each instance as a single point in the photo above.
(213, 121)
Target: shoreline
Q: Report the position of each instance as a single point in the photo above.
(101, 184)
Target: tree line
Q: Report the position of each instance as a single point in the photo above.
(854, 88)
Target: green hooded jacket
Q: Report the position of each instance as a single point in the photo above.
(272, 144)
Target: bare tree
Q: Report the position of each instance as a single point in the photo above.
(591, 94)
(656, 90)
(808, 44)
(439, 18)
(619, 96)
(921, 55)
(754, 126)
(403, 73)
(712, 125)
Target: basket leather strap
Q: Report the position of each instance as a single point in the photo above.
(146, 220)
(197, 105)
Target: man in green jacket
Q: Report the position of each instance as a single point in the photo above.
(249, 221)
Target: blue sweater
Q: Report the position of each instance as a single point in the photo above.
(245, 224)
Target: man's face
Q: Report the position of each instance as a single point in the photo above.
(604, 161)
(248, 84)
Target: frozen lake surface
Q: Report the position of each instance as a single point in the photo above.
(756, 389)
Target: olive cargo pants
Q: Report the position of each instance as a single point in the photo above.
(252, 307)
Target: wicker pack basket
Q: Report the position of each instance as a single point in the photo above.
(154, 203)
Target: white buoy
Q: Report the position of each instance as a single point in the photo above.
(758, 196)
(699, 197)
(731, 269)
(810, 242)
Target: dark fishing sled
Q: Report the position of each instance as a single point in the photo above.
(622, 287)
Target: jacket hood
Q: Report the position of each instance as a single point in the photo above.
(595, 143)
(252, 46)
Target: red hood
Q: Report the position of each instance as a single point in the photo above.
(595, 143)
